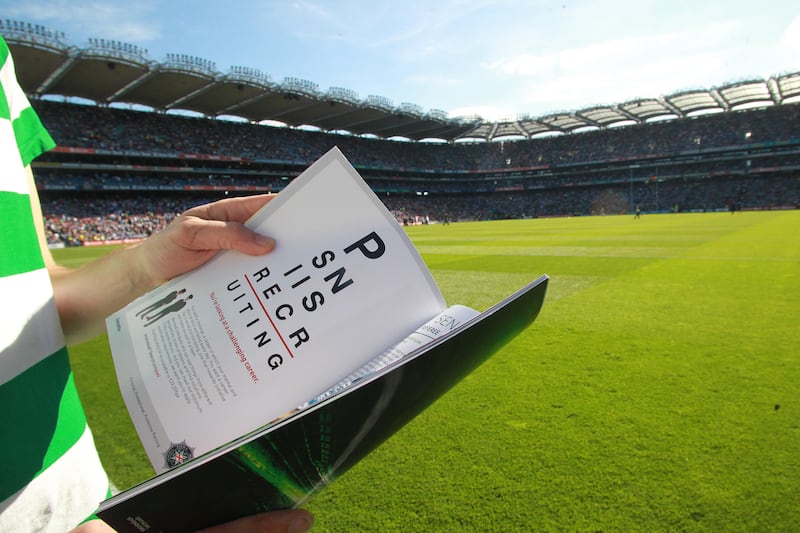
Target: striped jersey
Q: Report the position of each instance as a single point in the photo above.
(51, 478)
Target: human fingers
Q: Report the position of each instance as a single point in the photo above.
(231, 209)
(93, 526)
(196, 234)
(289, 521)
(189, 242)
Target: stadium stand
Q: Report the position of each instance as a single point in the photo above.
(120, 173)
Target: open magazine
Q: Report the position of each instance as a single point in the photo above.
(253, 382)
(343, 284)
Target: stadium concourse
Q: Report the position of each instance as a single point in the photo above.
(119, 173)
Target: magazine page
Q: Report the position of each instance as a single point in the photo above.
(222, 350)
(442, 324)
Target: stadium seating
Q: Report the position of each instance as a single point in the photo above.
(120, 173)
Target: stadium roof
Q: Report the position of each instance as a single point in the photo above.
(108, 72)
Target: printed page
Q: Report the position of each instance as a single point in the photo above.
(229, 347)
(440, 325)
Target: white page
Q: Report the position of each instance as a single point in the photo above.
(261, 335)
(443, 323)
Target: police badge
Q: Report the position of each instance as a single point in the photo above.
(178, 454)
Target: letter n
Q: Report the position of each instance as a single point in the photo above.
(338, 284)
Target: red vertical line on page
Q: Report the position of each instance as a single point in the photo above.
(274, 327)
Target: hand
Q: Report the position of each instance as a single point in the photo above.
(290, 521)
(198, 234)
(87, 295)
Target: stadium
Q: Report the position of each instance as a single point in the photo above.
(708, 156)
(663, 386)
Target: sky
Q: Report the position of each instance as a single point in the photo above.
(498, 59)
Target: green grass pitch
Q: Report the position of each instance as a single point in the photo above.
(658, 390)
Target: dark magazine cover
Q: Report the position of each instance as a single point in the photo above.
(284, 463)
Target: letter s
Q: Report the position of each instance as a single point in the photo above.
(313, 301)
(323, 259)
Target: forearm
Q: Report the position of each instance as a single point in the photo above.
(87, 295)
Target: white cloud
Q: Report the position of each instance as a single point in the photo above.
(487, 112)
(791, 37)
(434, 80)
(135, 22)
(611, 54)
(619, 69)
(524, 64)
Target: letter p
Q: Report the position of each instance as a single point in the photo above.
(377, 250)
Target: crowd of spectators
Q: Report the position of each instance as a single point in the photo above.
(74, 219)
(124, 130)
(748, 159)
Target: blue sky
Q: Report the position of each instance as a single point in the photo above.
(494, 58)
